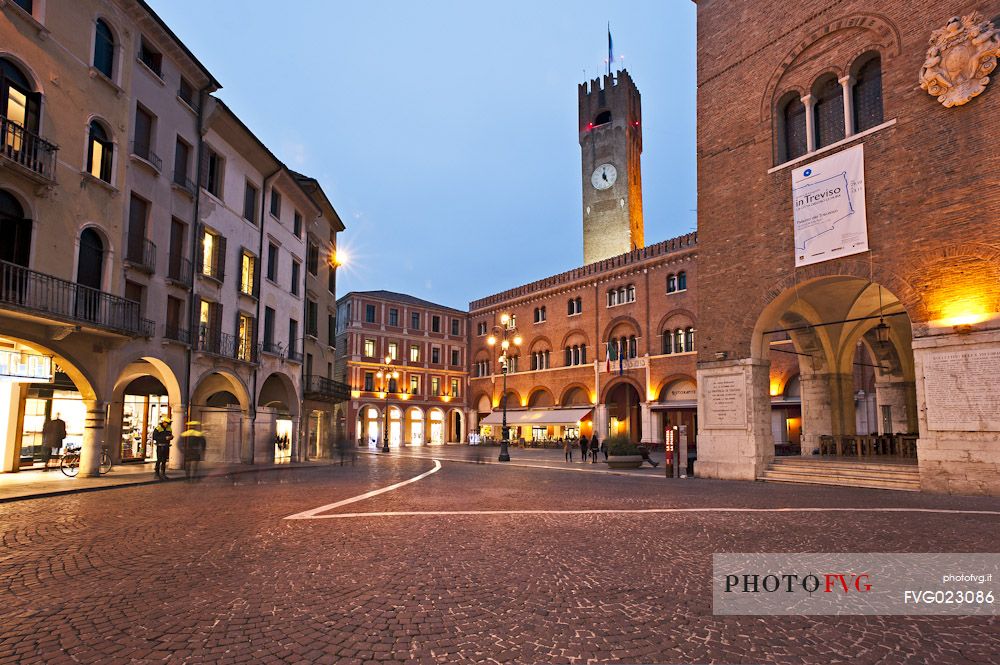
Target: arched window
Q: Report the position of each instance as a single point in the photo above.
(15, 231)
(612, 349)
(671, 283)
(689, 340)
(633, 347)
(622, 298)
(90, 267)
(603, 118)
(868, 95)
(828, 111)
(682, 281)
(576, 355)
(612, 299)
(569, 356)
(583, 354)
(630, 293)
(793, 125)
(99, 152)
(104, 49)
(18, 104)
(570, 307)
(668, 342)
(678, 341)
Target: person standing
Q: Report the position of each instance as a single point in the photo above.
(53, 433)
(162, 436)
(604, 449)
(568, 449)
(584, 446)
(193, 447)
(594, 447)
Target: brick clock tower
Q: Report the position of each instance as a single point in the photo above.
(610, 148)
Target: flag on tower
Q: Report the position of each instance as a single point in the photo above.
(621, 356)
(607, 356)
(611, 53)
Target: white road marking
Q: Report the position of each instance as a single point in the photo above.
(313, 514)
(627, 511)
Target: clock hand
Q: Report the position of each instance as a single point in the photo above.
(604, 174)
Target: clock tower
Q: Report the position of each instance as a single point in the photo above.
(610, 147)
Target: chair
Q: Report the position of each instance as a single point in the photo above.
(827, 445)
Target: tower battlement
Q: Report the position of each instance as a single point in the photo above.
(615, 94)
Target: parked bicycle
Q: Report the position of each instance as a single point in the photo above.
(70, 462)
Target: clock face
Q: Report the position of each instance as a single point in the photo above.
(604, 176)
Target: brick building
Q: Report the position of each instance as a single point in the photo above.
(426, 348)
(914, 293)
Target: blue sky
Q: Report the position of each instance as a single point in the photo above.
(444, 132)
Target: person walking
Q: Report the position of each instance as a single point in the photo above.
(645, 456)
(53, 433)
(604, 449)
(594, 447)
(568, 449)
(193, 447)
(162, 436)
(584, 446)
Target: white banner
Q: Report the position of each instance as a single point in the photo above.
(828, 199)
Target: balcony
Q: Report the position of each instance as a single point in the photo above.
(179, 270)
(175, 333)
(326, 390)
(143, 151)
(30, 152)
(181, 181)
(147, 328)
(141, 254)
(223, 345)
(37, 293)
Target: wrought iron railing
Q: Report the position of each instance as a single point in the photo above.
(227, 346)
(179, 270)
(185, 183)
(37, 292)
(27, 149)
(145, 151)
(293, 353)
(141, 253)
(147, 327)
(176, 333)
(322, 388)
(272, 347)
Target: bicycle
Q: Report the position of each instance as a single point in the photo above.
(70, 462)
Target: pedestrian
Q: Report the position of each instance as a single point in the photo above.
(193, 447)
(568, 449)
(594, 447)
(645, 456)
(53, 433)
(342, 449)
(604, 449)
(162, 435)
(584, 446)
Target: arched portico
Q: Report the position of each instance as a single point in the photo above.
(221, 402)
(820, 331)
(146, 390)
(277, 420)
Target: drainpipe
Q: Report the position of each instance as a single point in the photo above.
(192, 314)
(260, 294)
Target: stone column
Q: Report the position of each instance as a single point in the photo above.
(601, 421)
(93, 438)
(847, 83)
(113, 428)
(648, 424)
(10, 440)
(827, 407)
(809, 103)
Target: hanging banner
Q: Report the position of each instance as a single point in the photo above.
(828, 200)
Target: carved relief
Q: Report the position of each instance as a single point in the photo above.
(959, 60)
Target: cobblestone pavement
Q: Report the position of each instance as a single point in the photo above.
(211, 572)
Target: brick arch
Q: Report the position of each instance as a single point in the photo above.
(571, 387)
(675, 313)
(976, 259)
(570, 334)
(908, 296)
(538, 390)
(879, 24)
(836, 72)
(624, 318)
(617, 381)
(539, 343)
(672, 378)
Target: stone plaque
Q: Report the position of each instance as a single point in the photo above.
(963, 390)
(725, 401)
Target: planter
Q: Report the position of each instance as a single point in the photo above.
(624, 461)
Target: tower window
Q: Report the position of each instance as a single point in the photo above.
(603, 118)
(682, 281)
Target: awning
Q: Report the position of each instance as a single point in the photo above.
(539, 416)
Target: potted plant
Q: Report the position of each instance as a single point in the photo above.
(622, 453)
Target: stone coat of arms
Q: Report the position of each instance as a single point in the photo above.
(959, 60)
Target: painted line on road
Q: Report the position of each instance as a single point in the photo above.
(542, 465)
(312, 514)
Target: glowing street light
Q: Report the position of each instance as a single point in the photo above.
(386, 372)
(507, 332)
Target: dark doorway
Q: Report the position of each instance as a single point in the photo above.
(88, 274)
(624, 412)
(15, 231)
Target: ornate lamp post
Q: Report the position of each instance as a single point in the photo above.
(505, 333)
(386, 373)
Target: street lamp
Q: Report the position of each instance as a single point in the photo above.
(386, 372)
(507, 334)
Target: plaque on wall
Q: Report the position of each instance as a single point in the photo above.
(962, 389)
(725, 401)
